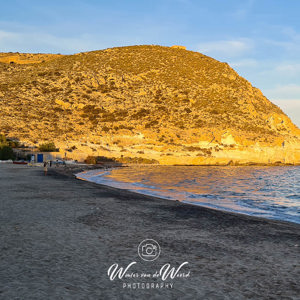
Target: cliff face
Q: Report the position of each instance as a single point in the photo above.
(167, 104)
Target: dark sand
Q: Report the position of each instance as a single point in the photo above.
(59, 236)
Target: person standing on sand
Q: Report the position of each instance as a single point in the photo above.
(45, 168)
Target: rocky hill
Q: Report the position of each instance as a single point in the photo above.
(26, 58)
(163, 103)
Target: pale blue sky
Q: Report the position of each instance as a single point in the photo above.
(260, 39)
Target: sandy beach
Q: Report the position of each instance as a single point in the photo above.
(59, 236)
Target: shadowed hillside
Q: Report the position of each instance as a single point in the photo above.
(167, 104)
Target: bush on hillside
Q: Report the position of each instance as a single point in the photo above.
(99, 159)
(47, 147)
(2, 140)
(6, 152)
(91, 160)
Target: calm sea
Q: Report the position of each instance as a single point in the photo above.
(270, 192)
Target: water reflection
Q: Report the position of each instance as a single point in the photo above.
(267, 191)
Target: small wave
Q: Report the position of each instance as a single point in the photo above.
(138, 184)
(294, 196)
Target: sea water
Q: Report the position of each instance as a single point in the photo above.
(269, 192)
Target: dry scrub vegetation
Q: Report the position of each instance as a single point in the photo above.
(148, 100)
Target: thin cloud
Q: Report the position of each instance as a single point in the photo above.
(26, 42)
(227, 48)
(243, 11)
(291, 33)
(5, 35)
(288, 69)
(289, 41)
(291, 108)
(288, 91)
(244, 63)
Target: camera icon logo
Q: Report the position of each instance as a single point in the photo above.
(149, 250)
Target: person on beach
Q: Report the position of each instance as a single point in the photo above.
(45, 168)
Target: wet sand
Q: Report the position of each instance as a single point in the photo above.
(59, 236)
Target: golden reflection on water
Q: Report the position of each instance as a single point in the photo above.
(278, 185)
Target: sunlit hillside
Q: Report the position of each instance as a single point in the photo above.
(168, 104)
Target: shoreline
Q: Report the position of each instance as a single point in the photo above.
(62, 234)
(69, 173)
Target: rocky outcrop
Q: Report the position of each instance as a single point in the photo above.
(26, 58)
(179, 47)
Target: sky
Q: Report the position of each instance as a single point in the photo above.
(260, 39)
